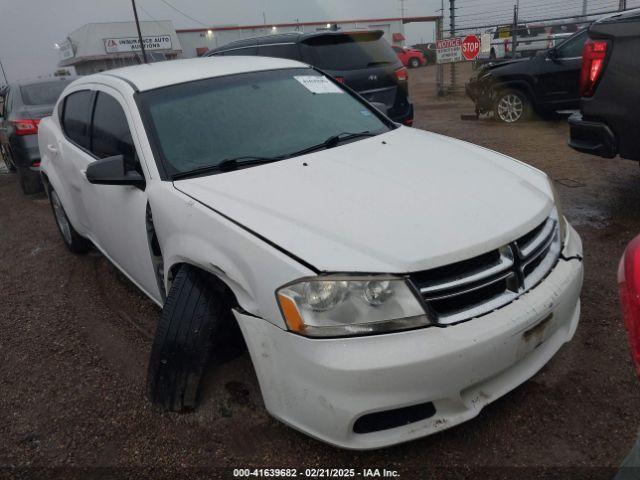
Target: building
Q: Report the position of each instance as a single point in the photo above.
(96, 47)
(196, 42)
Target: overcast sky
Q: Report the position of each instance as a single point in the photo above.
(28, 29)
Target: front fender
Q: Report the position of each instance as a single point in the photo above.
(193, 233)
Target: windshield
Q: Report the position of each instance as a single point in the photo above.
(46, 93)
(351, 52)
(267, 114)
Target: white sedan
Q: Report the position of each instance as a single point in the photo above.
(388, 282)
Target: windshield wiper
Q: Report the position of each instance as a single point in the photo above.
(231, 164)
(228, 165)
(333, 141)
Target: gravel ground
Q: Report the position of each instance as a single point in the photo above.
(75, 336)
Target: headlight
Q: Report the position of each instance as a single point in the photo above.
(339, 306)
(562, 222)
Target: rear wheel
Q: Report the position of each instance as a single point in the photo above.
(512, 106)
(72, 239)
(30, 182)
(6, 156)
(414, 62)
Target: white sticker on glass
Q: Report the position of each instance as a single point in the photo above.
(318, 84)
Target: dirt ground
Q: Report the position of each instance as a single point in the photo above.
(75, 336)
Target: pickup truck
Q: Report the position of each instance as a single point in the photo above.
(608, 123)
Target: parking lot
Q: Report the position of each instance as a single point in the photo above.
(76, 335)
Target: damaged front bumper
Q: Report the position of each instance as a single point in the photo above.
(371, 392)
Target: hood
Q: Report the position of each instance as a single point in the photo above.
(404, 201)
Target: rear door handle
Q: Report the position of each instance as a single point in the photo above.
(52, 148)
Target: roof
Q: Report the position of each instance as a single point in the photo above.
(162, 74)
(626, 15)
(309, 24)
(291, 37)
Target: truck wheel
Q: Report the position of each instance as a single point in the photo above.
(414, 62)
(185, 340)
(72, 239)
(512, 106)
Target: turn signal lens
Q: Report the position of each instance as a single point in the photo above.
(338, 306)
(629, 286)
(402, 74)
(25, 127)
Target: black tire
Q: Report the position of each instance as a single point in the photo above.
(72, 239)
(195, 316)
(30, 182)
(512, 106)
(414, 62)
(6, 156)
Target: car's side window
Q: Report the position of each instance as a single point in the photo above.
(110, 134)
(573, 47)
(75, 117)
(288, 50)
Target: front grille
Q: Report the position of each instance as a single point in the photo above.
(477, 286)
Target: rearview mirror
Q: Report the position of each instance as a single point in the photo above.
(113, 171)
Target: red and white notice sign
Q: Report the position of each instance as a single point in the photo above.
(458, 49)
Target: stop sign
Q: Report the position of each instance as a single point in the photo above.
(470, 47)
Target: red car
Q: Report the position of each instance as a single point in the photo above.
(410, 57)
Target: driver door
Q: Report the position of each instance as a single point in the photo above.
(117, 214)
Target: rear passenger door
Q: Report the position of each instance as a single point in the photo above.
(74, 155)
(117, 213)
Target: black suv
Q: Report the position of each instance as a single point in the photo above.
(363, 61)
(544, 84)
(609, 123)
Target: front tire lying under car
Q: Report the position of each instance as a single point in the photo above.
(196, 328)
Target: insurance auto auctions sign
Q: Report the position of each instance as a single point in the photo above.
(132, 44)
(459, 49)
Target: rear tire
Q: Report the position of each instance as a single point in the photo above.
(194, 318)
(512, 106)
(414, 63)
(72, 239)
(6, 156)
(30, 182)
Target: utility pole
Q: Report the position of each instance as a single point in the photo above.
(622, 5)
(135, 14)
(6, 81)
(514, 32)
(585, 7)
(439, 35)
(452, 34)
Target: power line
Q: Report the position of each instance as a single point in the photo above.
(184, 14)
(157, 22)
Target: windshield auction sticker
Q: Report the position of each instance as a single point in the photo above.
(318, 84)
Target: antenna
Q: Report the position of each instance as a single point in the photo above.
(135, 14)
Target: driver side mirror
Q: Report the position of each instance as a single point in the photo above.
(552, 53)
(113, 171)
